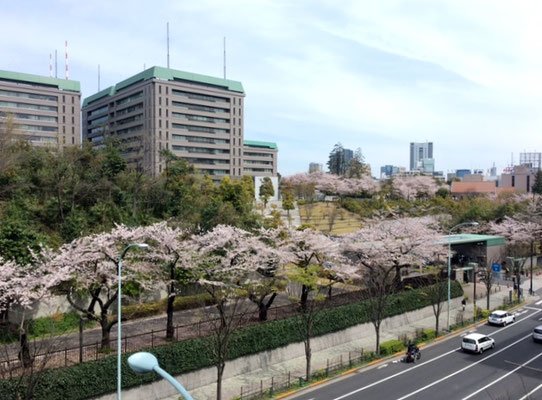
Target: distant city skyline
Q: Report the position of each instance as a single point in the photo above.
(375, 75)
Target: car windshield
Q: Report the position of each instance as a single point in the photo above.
(538, 331)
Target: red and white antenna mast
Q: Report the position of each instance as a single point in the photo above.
(50, 65)
(67, 68)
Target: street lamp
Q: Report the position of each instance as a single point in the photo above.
(450, 262)
(142, 363)
(119, 329)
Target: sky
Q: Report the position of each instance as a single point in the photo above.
(376, 75)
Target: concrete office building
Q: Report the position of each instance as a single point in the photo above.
(198, 118)
(421, 157)
(44, 111)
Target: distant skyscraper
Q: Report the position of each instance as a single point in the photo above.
(421, 157)
(388, 171)
(460, 173)
(315, 167)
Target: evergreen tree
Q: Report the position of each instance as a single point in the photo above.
(266, 190)
(537, 187)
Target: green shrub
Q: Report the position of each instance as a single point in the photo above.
(96, 378)
(428, 334)
(391, 347)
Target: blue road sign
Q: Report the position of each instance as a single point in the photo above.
(496, 267)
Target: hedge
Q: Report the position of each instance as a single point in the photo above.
(96, 378)
(391, 347)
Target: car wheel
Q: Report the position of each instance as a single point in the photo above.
(504, 323)
(493, 345)
(481, 350)
(514, 319)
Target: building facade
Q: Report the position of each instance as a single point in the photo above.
(521, 178)
(421, 157)
(259, 158)
(198, 118)
(315, 167)
(44, 111)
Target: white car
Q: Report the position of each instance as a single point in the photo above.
(500, 317)
(537, 334)
(477, 343)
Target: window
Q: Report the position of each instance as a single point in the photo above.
(73, 130)
(167, 90)
(73, 120)
(159, 101)
(131, 98)
(196, 96)
(73, 140)
(200, 128)
(159, 112)
(73, 100)
(513, 181)
(27, 95)
(159, 123)
(64, 129)
(63, 98)
(159, 89)
(63, 109)
(73, 110)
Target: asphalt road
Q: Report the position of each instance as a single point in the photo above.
(510, 371)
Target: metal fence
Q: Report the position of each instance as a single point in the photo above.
(58, 356)
(270, 386)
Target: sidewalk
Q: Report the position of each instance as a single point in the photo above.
(232, 386)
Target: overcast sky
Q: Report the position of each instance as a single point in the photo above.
(464, 74)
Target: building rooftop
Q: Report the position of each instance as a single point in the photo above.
(19, 77)
(168, 75)
(472, 238)
(254, 143)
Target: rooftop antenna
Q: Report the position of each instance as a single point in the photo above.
(50, 65)
(56, 64)
(67, 68)
(144, 66)
(98, 77)
(512, 159)
(168, 45)
(224, 57)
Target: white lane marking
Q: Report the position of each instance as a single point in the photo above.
(532, 308)
(527, 396)
(419, 365)
(538, 302)
(383, 366)
(501, 378)
(522, 312)
(463, 369)
(393, 376)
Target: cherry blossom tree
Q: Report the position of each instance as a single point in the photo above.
(413, 187)
(315, 263)
(87, 269)
(520, 230)
(226, 260)
(168, 254)
(21, 286)
(382, 249)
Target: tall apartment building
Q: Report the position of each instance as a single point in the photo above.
(315, 167)
(45, 111)
(198, 118)
(421, 157)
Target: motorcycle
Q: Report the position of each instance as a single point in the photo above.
(412, 355)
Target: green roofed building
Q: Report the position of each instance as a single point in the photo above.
(197, 117)
(41, 110)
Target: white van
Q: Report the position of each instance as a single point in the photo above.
(477, 343)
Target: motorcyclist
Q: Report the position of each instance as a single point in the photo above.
(412, 352)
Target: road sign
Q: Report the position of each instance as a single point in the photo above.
(496, 267)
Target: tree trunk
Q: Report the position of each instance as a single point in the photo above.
(106, 330)
(262, 312)
(436, 324)
(308, 356)
(24, 352)
(170, 301)
(304, 298)
(377, 332)
(220, 372)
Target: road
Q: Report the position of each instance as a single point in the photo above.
(510, 371)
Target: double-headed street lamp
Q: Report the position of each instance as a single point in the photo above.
(119, 304)
(450, 261)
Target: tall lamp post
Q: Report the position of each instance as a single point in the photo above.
(119, 304)
(450, 262)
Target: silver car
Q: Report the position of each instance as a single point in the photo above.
(477, 343)
(537, 334)
(500, 317)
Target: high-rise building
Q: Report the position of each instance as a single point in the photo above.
(315, 167)
(387, 171)
(421, 157)
(198, 118)
(44, 111)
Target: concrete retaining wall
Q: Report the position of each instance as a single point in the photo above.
(239, 366)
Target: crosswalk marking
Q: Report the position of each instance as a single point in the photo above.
(538, 302)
